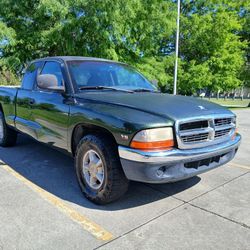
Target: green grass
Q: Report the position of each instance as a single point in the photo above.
(237, 103)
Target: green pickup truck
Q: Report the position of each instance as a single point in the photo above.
(116, 124)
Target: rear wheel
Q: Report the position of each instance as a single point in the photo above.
(99, 170)
(8, 136)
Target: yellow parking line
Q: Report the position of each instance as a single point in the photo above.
(86, 223)
(232, 164)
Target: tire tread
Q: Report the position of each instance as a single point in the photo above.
(10, 136)
(117, 182)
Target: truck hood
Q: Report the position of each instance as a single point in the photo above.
(164, 105)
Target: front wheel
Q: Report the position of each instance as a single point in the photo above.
(8, 136)
(99, 170)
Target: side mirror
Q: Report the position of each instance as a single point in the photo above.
(49, 82)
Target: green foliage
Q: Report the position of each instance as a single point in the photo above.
(7, 77)
(6, 34)
(245, 35)
(211, 48)
(214, 37)
(114, 29)
(156, 69)
(193, 77)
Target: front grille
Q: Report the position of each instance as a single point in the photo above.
(195, 138)
(194, 125)
(222, 122)
(201, 132)
(222, 132)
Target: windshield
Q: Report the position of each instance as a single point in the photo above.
(90, 74)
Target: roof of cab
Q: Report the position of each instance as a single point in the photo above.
(75, 58)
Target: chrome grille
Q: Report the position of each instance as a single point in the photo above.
(222, 122)
(204, 131)
(195, 138)
(222, 132)
(194, 125)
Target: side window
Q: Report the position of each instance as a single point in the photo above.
(30, 75)
(53, 68)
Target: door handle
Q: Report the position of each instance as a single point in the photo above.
(31, 101)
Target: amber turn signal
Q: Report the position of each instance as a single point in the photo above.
(156, 145)
(234, 134)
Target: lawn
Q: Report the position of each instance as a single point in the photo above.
(230, 102)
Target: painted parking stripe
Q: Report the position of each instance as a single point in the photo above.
(232, 164)
(88, 225)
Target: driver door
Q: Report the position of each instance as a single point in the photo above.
(49, 111)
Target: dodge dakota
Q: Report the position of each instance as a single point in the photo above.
(116, 124)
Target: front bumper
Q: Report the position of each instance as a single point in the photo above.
(176, 164)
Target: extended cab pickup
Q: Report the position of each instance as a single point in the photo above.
(116, 124)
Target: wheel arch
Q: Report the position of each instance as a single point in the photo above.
(80, 130)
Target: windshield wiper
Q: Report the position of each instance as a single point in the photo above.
(146, 90)
(104, 87)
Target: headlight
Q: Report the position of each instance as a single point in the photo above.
(153, 139)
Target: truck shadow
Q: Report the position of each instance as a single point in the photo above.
(54, 172)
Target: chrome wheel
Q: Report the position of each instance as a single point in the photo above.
(1, 129)
(93, 169)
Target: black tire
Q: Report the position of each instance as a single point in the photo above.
(115, 183)
(9, 136)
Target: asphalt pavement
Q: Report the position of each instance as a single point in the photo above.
(42, 207)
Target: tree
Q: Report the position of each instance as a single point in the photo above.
(210, 46)
(214, 54)
(115, 29)
(244, 13)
